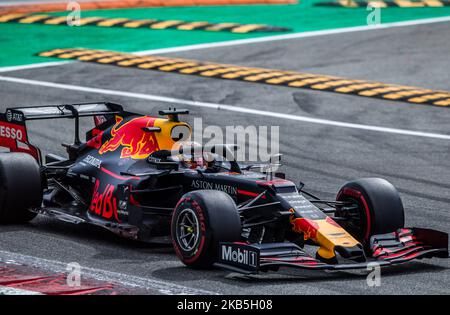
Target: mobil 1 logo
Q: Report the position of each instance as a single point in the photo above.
(239, 255)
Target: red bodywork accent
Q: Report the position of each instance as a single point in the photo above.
(15, 138)
(96, 140)
(406, 244)
(249, 193)
(292, 260)
(133, 201)
(275, 182)
(106, 171)
(332, 222)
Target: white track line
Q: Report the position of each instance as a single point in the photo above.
(162, 287)
(296, 35)
(33, 66)
(256, 40)
(230, 108)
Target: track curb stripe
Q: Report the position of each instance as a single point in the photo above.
(4, 290)
(292, 79)
(120, 4)
(150, 24)
(385, 4)
(130, 281)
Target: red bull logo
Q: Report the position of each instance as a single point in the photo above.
(104, 203)
(308, 227)
(131, 137)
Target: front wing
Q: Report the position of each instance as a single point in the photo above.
(386, 249)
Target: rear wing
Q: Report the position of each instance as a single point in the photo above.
(13, 131)
(21, 114)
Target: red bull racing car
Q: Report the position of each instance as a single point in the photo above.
(140, 177)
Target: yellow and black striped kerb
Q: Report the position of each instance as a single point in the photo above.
(386, 4)
(146, 24)
(258, 75)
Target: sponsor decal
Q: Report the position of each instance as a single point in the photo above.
(152, 159)
(302, 206)
(131, 138)
(100, 119)
(11, 133)
(93, 161)
(104, 203)
(308, 227)
(240, 255)
(14, 137)
(10, 116)
(123, 195)
(201, 184)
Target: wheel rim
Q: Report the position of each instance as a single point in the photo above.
(187, 230)
(355, 221)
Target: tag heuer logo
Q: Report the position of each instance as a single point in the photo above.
(10, 116)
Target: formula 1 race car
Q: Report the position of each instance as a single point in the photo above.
(142, 178)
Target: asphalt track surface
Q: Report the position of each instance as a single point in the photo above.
(323, 157)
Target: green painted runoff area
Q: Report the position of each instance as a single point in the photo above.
(20, 42)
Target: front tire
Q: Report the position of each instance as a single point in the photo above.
(20, 187)
(380, 209)
(201, 220)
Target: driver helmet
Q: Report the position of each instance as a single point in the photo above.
(192, 156)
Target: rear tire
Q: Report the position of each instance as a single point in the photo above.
(201, 220)
(380, 209)
(20, 187)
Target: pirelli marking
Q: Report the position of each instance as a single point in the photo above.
(292, 79)
(147, 24)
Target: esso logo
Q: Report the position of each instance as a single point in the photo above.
(11, 133)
